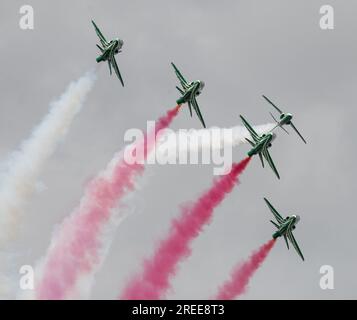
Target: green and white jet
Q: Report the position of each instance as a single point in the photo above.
(189, 93)
(260, 145)
(108, 51)
(284, 119)
(285, 228)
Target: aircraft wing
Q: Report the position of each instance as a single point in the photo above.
(294, 243)
(116, 69)
(100, 48)
(277, 124)
(197, 109)
(269, 101)
(267, 157)
(296, 130)
(276, 214)
(254, 135)
(102, 39)
(182, 80)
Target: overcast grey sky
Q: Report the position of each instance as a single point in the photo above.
(241, 49)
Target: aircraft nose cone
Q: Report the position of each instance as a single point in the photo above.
(297, 218)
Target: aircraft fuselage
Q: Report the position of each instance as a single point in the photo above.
(194, 90)
(114, 45)
(289, 222)
(266, 139)
(285, 118)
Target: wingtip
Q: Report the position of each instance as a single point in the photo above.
(266, 201)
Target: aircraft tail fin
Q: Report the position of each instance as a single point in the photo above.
(180, 90)
(278, 123)
(251, 142)
(100, 48)
(275, 224)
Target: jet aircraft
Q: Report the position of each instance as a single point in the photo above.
(284, 119)
(260, 145)
(189, 92)
(108, 51)
(285, 228)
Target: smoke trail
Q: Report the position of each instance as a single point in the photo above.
(154, 281)
(241, 275)
(19, 176)
(76, 250)
(213, 145)
(19, 181)
(228, 137)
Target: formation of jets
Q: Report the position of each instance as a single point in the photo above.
(260, 143)
(189, 90)
(260, 146)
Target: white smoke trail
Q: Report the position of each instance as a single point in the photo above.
(207, 146)
(24, 166)
(19, 180)
(207, 138)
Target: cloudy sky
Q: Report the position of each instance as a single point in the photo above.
(241, 49)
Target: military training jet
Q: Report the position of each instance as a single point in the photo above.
(189, 93)
(285, 119)
(261, 145)
(108, 50)
(285, 227)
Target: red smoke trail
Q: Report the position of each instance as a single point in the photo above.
(154, 281)
(242, 274)
(76, 247)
